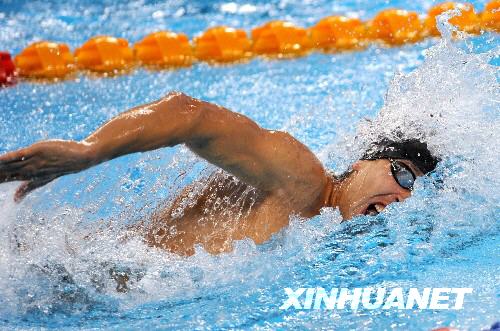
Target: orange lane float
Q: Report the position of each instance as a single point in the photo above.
(164, 48)
(338, 32)
(280, 38)
(396, 27)
(7, 69)
(45, 59)
(490, 18)
(104, 54)
(222, 44)
(467, 22)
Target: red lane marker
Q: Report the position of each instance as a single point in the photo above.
(7, 69)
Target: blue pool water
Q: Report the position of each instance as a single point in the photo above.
(445, 235)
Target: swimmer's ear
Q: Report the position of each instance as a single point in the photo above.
(30, 185)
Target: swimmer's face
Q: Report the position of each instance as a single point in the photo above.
(371, 187)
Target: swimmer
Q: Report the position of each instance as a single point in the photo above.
(272, 177)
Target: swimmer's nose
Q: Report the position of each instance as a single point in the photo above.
(402, 195)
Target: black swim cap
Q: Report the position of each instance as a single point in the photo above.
(410, 149)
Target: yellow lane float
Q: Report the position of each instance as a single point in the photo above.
(104, 54)
(396, 27)
(222, 44)
(467, 22)
(280, 38)
(45, 60)
(338, 32)
(490, 18)
(164, 48)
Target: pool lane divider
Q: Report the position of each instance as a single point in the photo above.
(277, 39)
(7, 70)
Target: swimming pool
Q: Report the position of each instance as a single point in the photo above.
(446, 235)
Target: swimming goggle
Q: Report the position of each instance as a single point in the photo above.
(402, 174)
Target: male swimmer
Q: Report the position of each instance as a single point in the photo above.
(277, 175)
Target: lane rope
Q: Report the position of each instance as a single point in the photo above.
(51, 61)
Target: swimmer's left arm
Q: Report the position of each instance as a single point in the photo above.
(272, 161)
(161, 123)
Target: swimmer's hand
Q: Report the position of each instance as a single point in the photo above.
(41, 163)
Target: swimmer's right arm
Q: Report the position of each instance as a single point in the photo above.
(266, 159)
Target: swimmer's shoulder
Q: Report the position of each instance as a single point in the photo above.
(303, 176)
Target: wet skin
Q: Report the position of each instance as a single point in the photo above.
(272, 174)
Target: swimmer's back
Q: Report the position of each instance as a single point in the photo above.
(213, 213)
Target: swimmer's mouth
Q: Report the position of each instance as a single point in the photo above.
(374, 209)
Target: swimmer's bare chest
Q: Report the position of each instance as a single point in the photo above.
(216, 212)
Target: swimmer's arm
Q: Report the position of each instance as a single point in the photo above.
(269, 160)
(150, 126)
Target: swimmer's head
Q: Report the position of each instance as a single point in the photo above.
(384, 174)
(411, 150)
